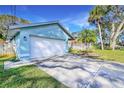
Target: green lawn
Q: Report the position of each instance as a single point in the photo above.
(28, 77)
(117, 55)
(5, 58)
(1, 67)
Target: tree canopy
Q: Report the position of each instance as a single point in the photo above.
(96, 18)
(110, 22)
(8, 20)
(87, 36)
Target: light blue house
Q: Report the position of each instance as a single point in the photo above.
(39, 40)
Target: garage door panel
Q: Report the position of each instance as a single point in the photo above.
(43, 47)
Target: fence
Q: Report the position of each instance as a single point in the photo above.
(6, 49)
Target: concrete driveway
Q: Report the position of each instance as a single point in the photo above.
(77, 72)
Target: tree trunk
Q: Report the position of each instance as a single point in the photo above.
(113, 43)
(113, 40)
(115, 34)
(100, 35)
(86, 46)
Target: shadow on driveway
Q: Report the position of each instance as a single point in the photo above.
(75, 71)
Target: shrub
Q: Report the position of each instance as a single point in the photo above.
(7, 55)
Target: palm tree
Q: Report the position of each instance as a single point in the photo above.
(87, 36)
(96, 18)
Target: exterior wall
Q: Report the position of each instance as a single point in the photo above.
(16, 43)
(67, 47)
(50, 31)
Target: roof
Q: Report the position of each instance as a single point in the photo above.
(42, 24)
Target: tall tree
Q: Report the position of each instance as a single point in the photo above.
(8, 20)
(87, 36)
(115, 18)
(96, 17)
(112, 16)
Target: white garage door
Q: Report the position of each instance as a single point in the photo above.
(43, 47)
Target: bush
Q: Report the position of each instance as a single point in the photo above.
(7, 55)
(70, 49)
(75, 51)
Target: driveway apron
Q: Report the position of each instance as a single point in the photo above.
(77, 72)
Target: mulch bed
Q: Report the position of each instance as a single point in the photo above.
(88, 54)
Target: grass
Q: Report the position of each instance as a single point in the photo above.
(116, 55)
(4, 58)
(1, 67)
(28, 77)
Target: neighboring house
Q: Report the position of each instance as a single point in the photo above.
(39, 40)
(73, 43)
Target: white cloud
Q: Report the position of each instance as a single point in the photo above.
(67, 28)
(80, 20)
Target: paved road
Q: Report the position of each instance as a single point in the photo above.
(77, 72)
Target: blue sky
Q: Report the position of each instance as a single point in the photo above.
(74, 18)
